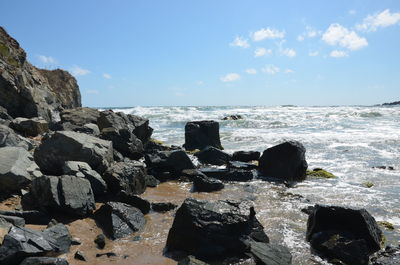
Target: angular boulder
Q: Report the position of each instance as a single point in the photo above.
(269, 254)
(64, 146)
(135, 201)
(9, 138)
(119, 220)
(128, 176)
(17, 169)
(346, 234)
(213, 230)
(30, 127)
(213, 156)
(200, 134)
(205, 184)
(285, 161)
(169, 161)
(61, 235)
(245, 156)
(163, 207)
(389, 256)
(30, 217)
(239, 175)
(80, 116)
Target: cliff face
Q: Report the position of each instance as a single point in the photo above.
(26, 91)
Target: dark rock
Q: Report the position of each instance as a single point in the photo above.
(169, 161)
(213, 156)
(30, 127)
(190, 260)
(124, 142)
(205, 184)
(119, 219)
(82, 169)
(245, 156)
(241, 165)
(108, 254)
(151, 181)
(163, 206)
(9, 138)
(232, 118)
(100, 241)
(239, 175)
(308, 210)
(60, 234)
(17, 221)
(76, 241)
(126, 176)
(31, 92)
(384, 167)
(343, 233)
(391, 103)
(79, 256)
(269, 254)
(80, 116)
(72, 146)
(89, 128)
(285, 161)
(17, 169)
(4, 115)
(30, 217)
(200, 134)
(135, 201)
(389, 256)
(154, 146)
(142, 129)
(67, 194)
(216, 173)
(213, 230)
(44, 261)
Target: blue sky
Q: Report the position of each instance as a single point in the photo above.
(225, 52)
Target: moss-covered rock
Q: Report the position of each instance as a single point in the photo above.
(368, 184)
(387, 225)
(320, 173)
(156, 141)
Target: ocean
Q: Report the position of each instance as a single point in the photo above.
(348, 141)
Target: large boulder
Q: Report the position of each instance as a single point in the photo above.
(9, 138)
(285, 161)
(169, 161)
(124, 142)
(17, 169)
(128, 176)
(27, 91)
(119, 220)
(61, 235)
(213, 156)
(214, 230)
(269, 254)
(200, 134)
(202, 183)
(30, 127)
(68, 194)
(64, 146)
(80, 116)
(346, 234)
(245, 156)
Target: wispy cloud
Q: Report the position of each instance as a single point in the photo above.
(46, 59)
(271, 69)
(336, 34)
(313, 53)
(240, 42)
(309, 33)
(79, 71)
(267, 33)
(251, 71)
(262, 52)
(338, 54)
(231, 77)
(107, 76)
(289, 52)
(288, 71)
(379, 20)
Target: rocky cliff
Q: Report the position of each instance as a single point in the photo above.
(27, 91)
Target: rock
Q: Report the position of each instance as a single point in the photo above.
(22, 242)
(213, 230)
(387, 225)
(30, 217)
(108, 254)
(17, 169)
(216, 173)
(67, 194)
(245, 156)
(154, 146)
(80, 256)
(31, 92)
(76, 241)
(200, 134)
(72, 146)
(60, 234)
(163, 206)
(30, 127)
(124, 142)
(394, 103)
(205, 184)
(119, 220)
(151, 181)
(190, 260)
(14, 220)
(4, 115)
(82, 169)
(89, 128)
(346, 234)
(232, 118)
(126, 176)
(241, 165)
(269, 254)
(320, 173)
(142, 129)
(169, 161)
(80, 116)
(135, 201)
(100, 241)
(44, 261)
(285, 161)
(389, 256)
(384, 167)
(4, 228)
(9, 138)
(239, 175)
(213, 156)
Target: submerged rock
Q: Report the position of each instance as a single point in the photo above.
(232, 118)
(163, 206)
(213, 156)
(320, 173)
(285, 161)
(200, 134)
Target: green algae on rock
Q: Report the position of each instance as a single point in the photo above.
(320, 173)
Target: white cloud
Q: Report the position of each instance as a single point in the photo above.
(240, 42)
(271, 69)
(309, 33)
(251, 71)
(92, 92)
(379, 20)
(107, 76)
(262, 52)
(267, 33)
(289, 71)
(288, 52)
(336, 34)
(300, 37)
(338, 54)
(313, 53)
(231, 77)
(78, 71)
(46, 59)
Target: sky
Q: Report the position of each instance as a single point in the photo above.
(215, 52)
